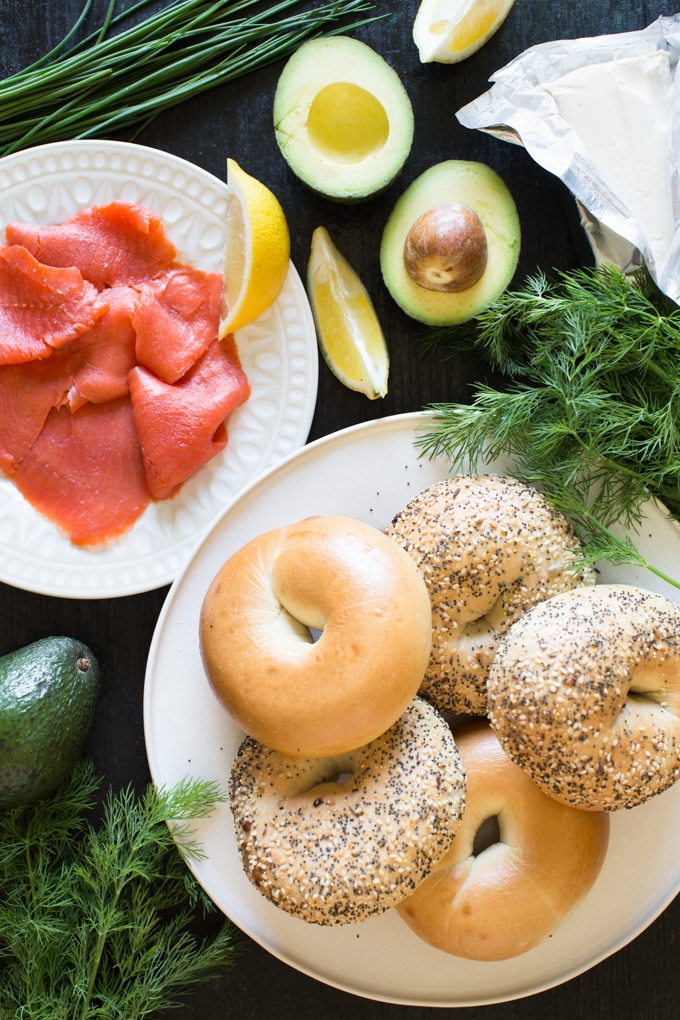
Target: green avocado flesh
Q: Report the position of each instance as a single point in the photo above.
(342, 118)
(48, 692)
(479, 188)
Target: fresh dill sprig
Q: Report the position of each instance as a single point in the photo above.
(94, 921)
(108, 82)
(592, 414)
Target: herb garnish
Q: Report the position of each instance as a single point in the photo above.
(93, 922)
(106, 83)
(592, 417)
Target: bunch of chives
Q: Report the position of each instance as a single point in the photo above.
(109, 82)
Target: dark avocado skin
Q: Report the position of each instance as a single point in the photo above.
(48, 692)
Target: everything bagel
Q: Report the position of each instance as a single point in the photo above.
(584, 694)
(337, 576)
(489, 549)
(335, 840)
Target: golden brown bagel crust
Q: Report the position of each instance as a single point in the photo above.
(335, 575)
(515, 893)
(584, 694)
(336, 853)
(489, 549)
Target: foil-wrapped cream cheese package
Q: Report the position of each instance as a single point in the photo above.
(602, 114)
(621, 112)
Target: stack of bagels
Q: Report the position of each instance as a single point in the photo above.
(354, 661)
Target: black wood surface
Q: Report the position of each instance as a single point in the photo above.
(642, 982)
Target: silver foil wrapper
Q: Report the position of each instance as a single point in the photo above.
(517, 109)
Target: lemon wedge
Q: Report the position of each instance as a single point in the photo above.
(257, 251)
(347, 326)
(451, 30)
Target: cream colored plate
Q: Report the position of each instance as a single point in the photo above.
(370, 472)
(47, 185)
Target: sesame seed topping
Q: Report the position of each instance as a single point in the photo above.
(489, 548)
(349, 849)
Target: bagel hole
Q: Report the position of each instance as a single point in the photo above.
(484, 629)
(488, 833)
(340, 774)
(316, 634)
(456, 719)
(646, 696)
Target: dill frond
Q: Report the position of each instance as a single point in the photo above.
(591, 416)
(94, 922)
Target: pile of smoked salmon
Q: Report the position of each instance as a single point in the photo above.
(114, 387)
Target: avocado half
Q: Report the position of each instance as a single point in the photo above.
(479, 188)
(342, 118)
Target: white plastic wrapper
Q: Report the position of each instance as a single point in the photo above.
(521, 109)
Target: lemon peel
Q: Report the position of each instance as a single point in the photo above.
(349, 333)
(448, 31)
(257, 251)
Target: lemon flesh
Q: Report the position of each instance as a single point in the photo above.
(349, 333)
(448, 31)
(257, 250)
(342, 118)
(234, 251)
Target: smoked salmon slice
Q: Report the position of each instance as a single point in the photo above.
(176, 320)
(181, 426)
(85, 472)
(114, 387)
(112, 245)
(41, 307)
(106, 352)
(28, 392)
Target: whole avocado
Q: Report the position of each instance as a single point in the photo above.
(48, 692)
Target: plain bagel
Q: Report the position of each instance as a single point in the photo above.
(500, 901)
(489, 549)
(333, 575)
(335, 840)
(584, 693)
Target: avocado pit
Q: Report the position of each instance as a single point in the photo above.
(446, 249)
(474, 186)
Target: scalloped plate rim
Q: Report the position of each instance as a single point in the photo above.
(294, 286)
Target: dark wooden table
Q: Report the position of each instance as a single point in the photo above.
(642, 982)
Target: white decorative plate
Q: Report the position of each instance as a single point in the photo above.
(370, 472)
(48, 184)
